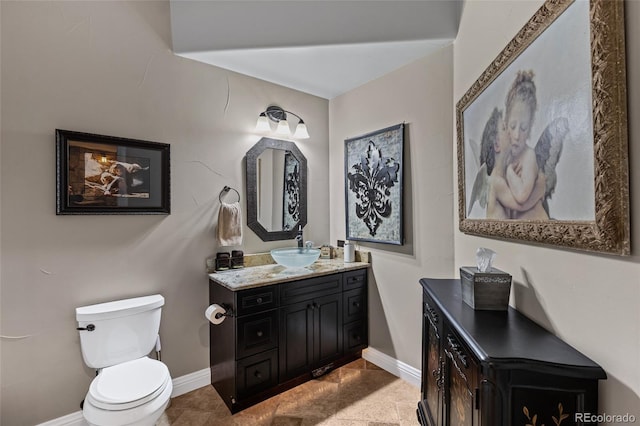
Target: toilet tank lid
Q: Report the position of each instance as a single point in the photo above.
(119, 308)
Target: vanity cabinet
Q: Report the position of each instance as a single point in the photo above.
(278, 336)
(493, 368)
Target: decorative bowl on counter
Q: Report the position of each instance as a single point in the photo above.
(295, 257)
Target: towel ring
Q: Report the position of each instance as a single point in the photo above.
(225, 190)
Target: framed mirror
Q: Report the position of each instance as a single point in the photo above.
(276, 189)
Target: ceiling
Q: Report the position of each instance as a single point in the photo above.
(321, 47)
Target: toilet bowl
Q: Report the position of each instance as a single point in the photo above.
(132, 393)
(116, 337)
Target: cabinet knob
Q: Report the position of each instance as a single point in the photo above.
(257, 374)
(259, 333)
(356, 304)
(259, 300)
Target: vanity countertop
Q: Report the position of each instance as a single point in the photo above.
(258, 276)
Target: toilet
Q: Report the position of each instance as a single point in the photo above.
(116, 339)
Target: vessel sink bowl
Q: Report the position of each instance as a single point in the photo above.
(294, 257)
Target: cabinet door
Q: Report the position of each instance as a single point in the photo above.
(460, 371)
(433, 364)
(296, 339)
(327, 329)
(310, 335)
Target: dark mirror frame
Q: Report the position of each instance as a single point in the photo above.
(252, 188)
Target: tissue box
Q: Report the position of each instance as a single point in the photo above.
(485, 290)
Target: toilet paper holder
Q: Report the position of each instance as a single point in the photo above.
(228, 308)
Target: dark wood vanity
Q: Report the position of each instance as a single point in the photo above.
(493, 368)
(280, 335)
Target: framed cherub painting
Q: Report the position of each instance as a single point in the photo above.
(542, 134)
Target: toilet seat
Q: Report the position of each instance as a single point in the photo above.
(128, 385)
(143, 415)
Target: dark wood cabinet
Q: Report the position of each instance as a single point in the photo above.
(492, 368)
(281, 335)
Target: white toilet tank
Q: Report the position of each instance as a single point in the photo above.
(123, 330)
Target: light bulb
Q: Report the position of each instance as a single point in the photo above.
(283, 127)
(263, 124)
(301, 131)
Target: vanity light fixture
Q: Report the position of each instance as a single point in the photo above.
(278, 115)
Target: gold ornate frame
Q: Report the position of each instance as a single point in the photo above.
(610, 232)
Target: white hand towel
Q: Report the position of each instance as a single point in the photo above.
(229, 225)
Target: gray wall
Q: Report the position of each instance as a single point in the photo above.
(418, 94)
(107, 68)
(589, 300)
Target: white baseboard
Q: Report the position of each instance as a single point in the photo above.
(190, 382)
(398, 368)
(181, 385)
(197, 379)
(73, 419)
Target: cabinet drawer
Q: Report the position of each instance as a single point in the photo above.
(354, 305)
(355, 279)
(257, 373)
(257, 333)
(299, 291)
(355, 336)
(257, 299)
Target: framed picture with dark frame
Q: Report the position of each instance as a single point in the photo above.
(373, 186)
(542, 134)
(97, 174)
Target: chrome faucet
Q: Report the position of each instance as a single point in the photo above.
(299, 238)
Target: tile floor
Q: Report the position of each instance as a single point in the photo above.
(357, 394)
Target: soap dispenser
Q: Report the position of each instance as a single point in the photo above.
(349, 252)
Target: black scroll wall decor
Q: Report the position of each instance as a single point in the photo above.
(373, 186)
